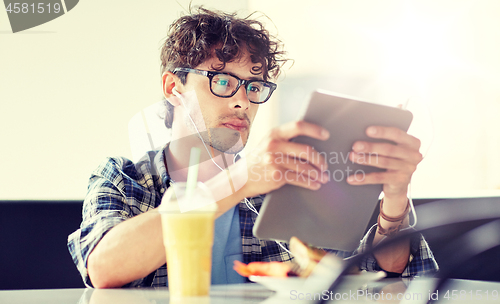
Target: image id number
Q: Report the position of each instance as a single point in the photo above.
(471, 295)
(40, 8)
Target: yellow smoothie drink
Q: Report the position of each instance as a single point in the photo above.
(188, 239)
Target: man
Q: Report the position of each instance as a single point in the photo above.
(216, 72)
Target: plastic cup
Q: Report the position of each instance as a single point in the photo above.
(188, 238)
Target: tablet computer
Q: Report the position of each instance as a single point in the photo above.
(335, 216)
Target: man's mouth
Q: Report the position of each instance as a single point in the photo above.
(236, 124)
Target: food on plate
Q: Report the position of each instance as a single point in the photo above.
(272, 269)
(305, 259)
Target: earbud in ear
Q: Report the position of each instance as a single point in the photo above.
(174, 91)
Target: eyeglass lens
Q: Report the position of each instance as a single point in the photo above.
(226, 85)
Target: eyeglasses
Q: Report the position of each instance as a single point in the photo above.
(226, 85)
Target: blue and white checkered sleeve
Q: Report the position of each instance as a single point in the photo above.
(421, 261)
(104, 207)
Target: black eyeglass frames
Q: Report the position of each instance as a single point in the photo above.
(226, 85)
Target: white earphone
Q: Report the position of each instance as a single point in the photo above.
(247, 203)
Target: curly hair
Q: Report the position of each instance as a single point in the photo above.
(204, 34)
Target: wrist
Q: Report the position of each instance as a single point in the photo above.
(395, 196)
(389, 225)
(394, 205)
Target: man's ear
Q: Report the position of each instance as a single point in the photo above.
(170, 81)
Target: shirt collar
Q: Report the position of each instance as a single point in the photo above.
(159, 163)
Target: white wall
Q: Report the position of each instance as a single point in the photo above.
(443, 54)
(68, 88)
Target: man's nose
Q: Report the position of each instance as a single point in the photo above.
(240, 99)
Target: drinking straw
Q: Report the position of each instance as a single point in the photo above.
(192, 177)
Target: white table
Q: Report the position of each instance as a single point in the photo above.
(466, 292)
(237, 293)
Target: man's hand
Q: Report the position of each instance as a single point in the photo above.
(276, 161)
(400, 160)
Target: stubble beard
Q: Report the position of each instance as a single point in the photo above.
(222, 139)
(225, 140)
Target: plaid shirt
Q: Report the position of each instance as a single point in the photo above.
(119, 189)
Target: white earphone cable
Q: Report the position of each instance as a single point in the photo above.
(174, 91)
(247, 203)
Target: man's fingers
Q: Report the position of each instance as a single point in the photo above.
(300, 128)
(388, 150)
(375, 160)
(392, 177)
(296, 179)
(293, 153)
(278, 161)
(305, 170)
(394, 134)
